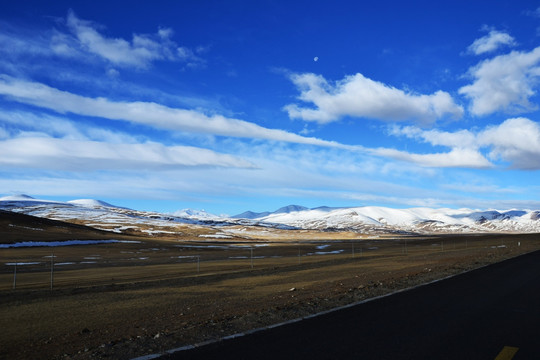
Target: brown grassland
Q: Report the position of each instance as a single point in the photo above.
(123, 300)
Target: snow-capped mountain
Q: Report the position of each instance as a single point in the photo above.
(195, 214)
(366, 220)
(372, 219)
(23, 200)
(284, 210)
(91, 203)
(104, 216)
(251, 215)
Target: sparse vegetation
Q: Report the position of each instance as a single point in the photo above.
(127, 299)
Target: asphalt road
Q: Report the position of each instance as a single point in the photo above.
(470, 316)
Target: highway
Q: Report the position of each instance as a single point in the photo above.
(489, 313)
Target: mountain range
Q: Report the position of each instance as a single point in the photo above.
(366, 220)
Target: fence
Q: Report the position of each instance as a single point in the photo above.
(116, 263)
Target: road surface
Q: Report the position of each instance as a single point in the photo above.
(490, 313)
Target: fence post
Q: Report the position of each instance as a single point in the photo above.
(251, 251)
(52, 270)
(15, 276)
(352, 244)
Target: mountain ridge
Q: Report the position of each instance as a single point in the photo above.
(365, 220)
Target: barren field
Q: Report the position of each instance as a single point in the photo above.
(126, 299)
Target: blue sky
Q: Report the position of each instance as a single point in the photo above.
(237, 105)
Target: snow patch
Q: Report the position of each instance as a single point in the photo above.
(90, 203)
(325, 252)
(216, 236)
(21, 263)
(62, 243)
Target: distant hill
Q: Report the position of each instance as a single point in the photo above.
(251, 215)
(373, 219)
(365, 220)
(284, 210)
(91, 203)
(16, 227)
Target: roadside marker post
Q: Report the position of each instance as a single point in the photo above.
(251, 251)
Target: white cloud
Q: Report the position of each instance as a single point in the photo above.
(464, 145)
(29, 122)
(533, 13)
(78, 155)
(65, 45)
(54, 126)
(506, 82)
(461, 138)
(516, 141)
(140, 52)
(113, 73)
(456, 157)
(486, 188)
(4, 134)
(24, 50)
(359, 96)
(491, 42)
(15, 41)
(147, 113)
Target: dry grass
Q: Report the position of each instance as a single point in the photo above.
(139, 298)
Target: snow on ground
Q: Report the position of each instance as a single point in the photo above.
(216, 236)
(21, 263)
(25, 227)
(325, 252)
(63, 243)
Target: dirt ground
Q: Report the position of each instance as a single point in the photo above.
(124, 300)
